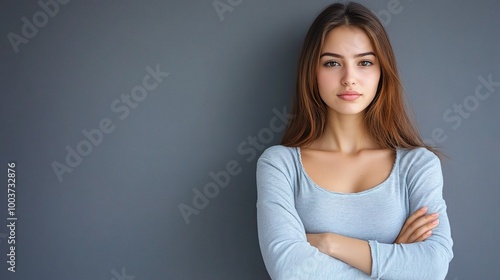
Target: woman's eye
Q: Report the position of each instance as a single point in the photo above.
(331, 64)
(366, 63)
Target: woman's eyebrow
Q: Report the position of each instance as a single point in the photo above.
(341, 56)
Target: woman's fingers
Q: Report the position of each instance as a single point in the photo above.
(423, 232)
(418, 227)
(421, 225)
(419, 213)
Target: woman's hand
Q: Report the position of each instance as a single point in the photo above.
(417, 227)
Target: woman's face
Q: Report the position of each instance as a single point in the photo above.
(348, 71)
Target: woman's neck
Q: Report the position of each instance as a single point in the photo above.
(346, 134)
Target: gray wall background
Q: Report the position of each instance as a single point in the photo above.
(116, 215)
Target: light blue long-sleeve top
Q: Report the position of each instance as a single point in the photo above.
(290, 204)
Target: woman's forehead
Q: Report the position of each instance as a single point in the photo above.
(347, 41)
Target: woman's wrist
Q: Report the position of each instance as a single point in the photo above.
(355, 252)
(333, 244)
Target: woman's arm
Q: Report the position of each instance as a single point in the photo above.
(427, 259)
(421, 260)
(282, 238)
(356, 252)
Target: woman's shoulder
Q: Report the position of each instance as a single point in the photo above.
(417, 158)
(419, 153)
(279, 153)
(282, 159)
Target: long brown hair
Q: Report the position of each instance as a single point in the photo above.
(385, 118)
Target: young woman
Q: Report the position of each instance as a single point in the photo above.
(352, 192)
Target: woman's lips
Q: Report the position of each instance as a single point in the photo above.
(349, 95)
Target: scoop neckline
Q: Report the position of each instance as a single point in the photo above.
(378, 186)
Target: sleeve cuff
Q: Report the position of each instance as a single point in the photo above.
(374, 251)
